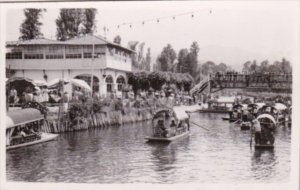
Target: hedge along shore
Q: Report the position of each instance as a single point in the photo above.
(97, 120)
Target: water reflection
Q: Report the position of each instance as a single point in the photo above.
(120, 155)
(263, 163)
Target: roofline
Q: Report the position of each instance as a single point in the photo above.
(67, 42)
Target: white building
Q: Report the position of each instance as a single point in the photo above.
(44, 59)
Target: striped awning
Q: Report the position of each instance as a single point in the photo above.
(22, 116)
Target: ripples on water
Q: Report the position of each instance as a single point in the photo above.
(120, 155)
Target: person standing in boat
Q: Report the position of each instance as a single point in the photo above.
(257, 129)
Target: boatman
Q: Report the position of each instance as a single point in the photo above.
(257, 129)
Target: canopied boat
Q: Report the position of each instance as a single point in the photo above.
(169, 125)
(266, 138)
(236, 113)
(23, 128)
(278, 111)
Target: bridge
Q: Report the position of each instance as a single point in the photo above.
(281, 83)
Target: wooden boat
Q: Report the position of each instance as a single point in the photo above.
(226, 118)
(245, 126)
(169, 125)
(23, 128)
(267, 139)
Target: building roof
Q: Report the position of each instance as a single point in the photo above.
(39, 41)
(81, 40)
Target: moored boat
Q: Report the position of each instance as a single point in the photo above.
(23, 128)
(169, 125)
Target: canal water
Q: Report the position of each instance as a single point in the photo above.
(120, 155)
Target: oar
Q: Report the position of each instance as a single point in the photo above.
(236, 121)
(199, 126)
(251, 137)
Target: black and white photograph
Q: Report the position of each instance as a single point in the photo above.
(150, 93)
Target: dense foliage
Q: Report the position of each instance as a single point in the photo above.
(155, 80)
(282, 66)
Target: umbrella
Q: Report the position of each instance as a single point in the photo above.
(77, 82)
(81, 83)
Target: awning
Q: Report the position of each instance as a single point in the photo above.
(22, 116)
(40, 83)
(224, 99)
(267, 116)
(180, 113)
(54, 83)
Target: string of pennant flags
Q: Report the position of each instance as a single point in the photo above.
(157, 20)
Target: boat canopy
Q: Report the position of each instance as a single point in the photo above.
(161, 111)
(280, 106)
(270, 117)
(268, 106)
(180, 113)
(22, 116)
(260, 104)
(237, 106)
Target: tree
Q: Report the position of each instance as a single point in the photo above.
(222, 68)
(89, 22)
(117, 39)
(148, 60)
(193, 58)
(166, 58)
(182, 66)
(208, 68)
(264, 66)
(133, 45)
(246, 67)
(253, 67)
(75, 22)
(31, 26)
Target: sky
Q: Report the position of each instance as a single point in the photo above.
(233, 33)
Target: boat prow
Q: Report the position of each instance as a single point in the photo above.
(167, 139)
(44, 138)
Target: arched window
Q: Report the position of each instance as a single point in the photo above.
(120, 82)
(109, 82)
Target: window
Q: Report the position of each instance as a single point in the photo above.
(55, 49)
(55, 56)
(73, 56)
(73, 49)
(87, 55)
(109, 81)
(33, 56)
(15, 55)
(120, 82)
